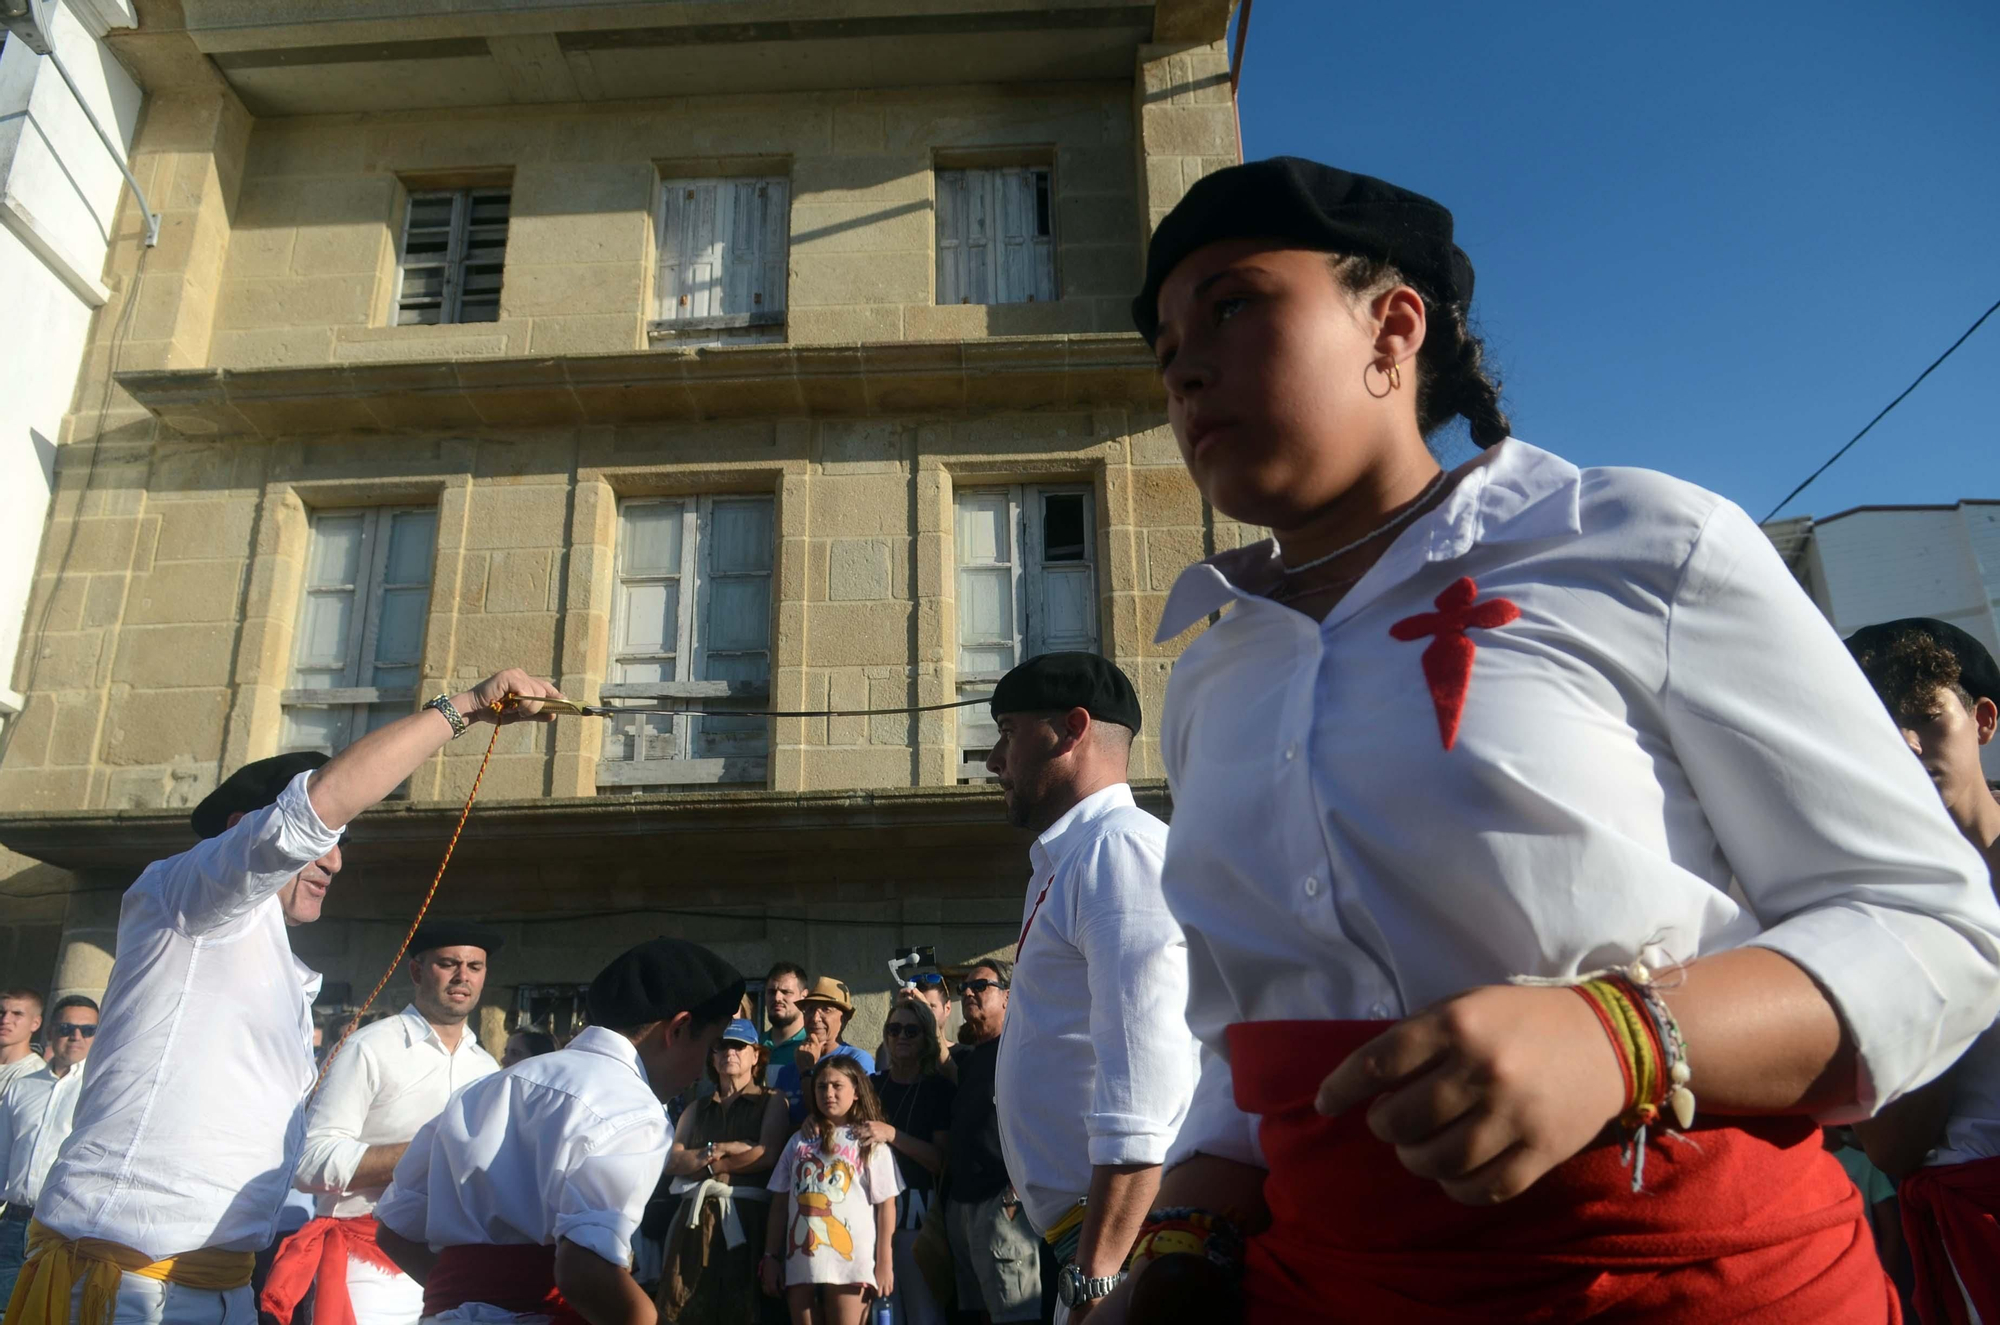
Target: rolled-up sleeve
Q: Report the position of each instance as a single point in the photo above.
(405, 1208)
(1137, 961)
(606, 1187)
(1835, 835)
(333, 1147)
(225, 876)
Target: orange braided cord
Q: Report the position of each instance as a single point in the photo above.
(354, 1022)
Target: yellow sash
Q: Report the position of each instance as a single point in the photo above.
(56, 1265)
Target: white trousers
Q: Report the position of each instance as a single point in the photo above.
(382, 1298)
(156, 1302)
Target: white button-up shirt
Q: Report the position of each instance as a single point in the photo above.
(20, 1068)
(391, 1078)
(567, 1145)
(35, 1118)
(1097, 1065)
(1667, 711)
(188, 1133)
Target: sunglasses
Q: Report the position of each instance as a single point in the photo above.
(981, 986)
(927, 980)
(65, 1029)
(903, 1030)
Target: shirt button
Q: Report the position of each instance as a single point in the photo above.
(1312, 885)
(1378, 1010)
(1292, 751)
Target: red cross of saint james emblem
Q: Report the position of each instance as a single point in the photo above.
(1448, 658)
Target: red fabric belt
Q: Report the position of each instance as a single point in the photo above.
(515, 1277)
(1748, 1221)
(1949, 1220)
(320, 1250)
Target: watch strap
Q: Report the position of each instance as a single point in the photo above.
(443, 705)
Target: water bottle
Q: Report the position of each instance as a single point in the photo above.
(884, 1313)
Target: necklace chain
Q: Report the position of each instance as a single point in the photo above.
(1393, 522)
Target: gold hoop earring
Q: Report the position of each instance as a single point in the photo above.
(1395, 376)
(1368, 383)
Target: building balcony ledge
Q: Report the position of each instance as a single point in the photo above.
(716, 382)
(695, 830)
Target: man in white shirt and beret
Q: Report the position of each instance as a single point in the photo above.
(1097, 1065)
(387, 1081)
(187, 1139)
(520, 1200)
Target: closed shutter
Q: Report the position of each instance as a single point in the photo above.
(723, 248)
(995, 240)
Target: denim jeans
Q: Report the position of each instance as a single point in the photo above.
(13, 1248)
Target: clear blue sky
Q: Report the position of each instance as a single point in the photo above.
(1710, 239)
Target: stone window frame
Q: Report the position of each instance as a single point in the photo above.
(696, 578)
(753, 326)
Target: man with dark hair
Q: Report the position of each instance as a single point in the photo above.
(995, 1253)
(522, 1198)
(525, 1044)
(784, 986)
(186, 1141)
(20, 1018)
(1942, 688)
(391, 1078)
(35, 1117)
(1097, 1068)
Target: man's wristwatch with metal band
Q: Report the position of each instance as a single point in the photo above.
(1074, 1287)
(451, 714)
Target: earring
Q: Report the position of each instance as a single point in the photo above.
(1395, 376)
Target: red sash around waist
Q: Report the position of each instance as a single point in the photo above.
(1949, 1220)
(320, 1250)
(515, 1277)
(1748, 1220)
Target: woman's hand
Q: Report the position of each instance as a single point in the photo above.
(875, 1134)
(770, 1273)
(1486, 1091)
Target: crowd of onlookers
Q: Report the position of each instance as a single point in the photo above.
(41, 1060)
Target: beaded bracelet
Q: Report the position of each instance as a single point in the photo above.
(1187, 1231)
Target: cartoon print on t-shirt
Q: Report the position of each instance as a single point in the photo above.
(820, 1184)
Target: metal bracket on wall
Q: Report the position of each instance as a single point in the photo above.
(31, 23)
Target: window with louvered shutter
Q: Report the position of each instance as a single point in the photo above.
(453, 256)
(995, 236)
(691, 621)
(1027, 585)
(358, 651)
(723, 248)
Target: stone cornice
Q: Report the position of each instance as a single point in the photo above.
(651, 386)
(691, 826)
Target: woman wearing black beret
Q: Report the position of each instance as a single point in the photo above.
(1517, 809)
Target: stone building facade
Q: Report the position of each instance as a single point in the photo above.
(700, 360)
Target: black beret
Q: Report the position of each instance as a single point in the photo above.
(1053, 682)
(250, 787)
(657, 981)
(1313, 206)
(456, 934)
(1977, 672)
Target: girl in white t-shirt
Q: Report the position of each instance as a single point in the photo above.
(841, 1207)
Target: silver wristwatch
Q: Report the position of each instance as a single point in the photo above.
(1074, 1287)
(451, 714)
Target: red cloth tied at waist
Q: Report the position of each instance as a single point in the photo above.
(1749, 1220)
(513, 1277)
(320, 1250)
(1949, 1220)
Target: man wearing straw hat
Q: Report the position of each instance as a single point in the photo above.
(828, 1007)
(187, 1139)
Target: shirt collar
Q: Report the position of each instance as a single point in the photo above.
(1512, 492)
(1050, 847)
(609, 1044)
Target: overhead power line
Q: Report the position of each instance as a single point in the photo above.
(1885, 410)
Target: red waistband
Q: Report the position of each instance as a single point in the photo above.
(1951, 1220)
(1744, 1220)
(319, 1251)
(515, 1277)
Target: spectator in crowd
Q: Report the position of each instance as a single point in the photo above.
(72, 1030)
(525, 1044)
(1098, 1065)
(830, 1235)
(723, 1153)
(916, 1123)
(995, 1254)
(391, 1077)
(827, 1008)
(185, 1143)
(35, 1116)
(784, 986)
(521, 1200)
(932, 989)
(20, 1018)
(1942, 688)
